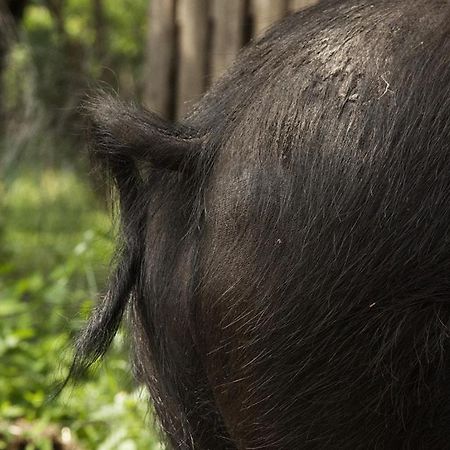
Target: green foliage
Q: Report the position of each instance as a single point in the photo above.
(54, 241)
(55, 237)
(126, 41)
(62, 53)
(123, 28)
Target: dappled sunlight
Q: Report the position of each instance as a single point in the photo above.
(56, 239)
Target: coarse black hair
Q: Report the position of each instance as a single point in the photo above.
(284, 259)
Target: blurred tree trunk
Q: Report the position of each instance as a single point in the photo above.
(56, 9)
(71, 79)
(5, 39)
(192, 20)
(160, 58)
(105, 75)
(266, 13)
(228, 37)
(11, 12)
(192, 42)
(296, 5)
(100, 32)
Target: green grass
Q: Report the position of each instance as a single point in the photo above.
(55, 244)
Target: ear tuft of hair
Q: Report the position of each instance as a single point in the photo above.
(131, 146)
(121, 133)
(128, 142)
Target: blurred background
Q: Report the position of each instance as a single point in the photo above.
(56, 235)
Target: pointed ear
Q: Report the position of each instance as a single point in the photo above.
(121, 133)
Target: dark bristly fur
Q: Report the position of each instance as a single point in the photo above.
(285, 253)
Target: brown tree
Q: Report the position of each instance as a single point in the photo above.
(11, 12)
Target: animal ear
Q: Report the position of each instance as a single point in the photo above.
(120, 133)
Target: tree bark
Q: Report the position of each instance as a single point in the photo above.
(266, 13)
(192, 20)
(5, 40)
(11, 12)
(297, 5)
(228, 34)
(70, 79)
(160, 58)
(100, 32)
